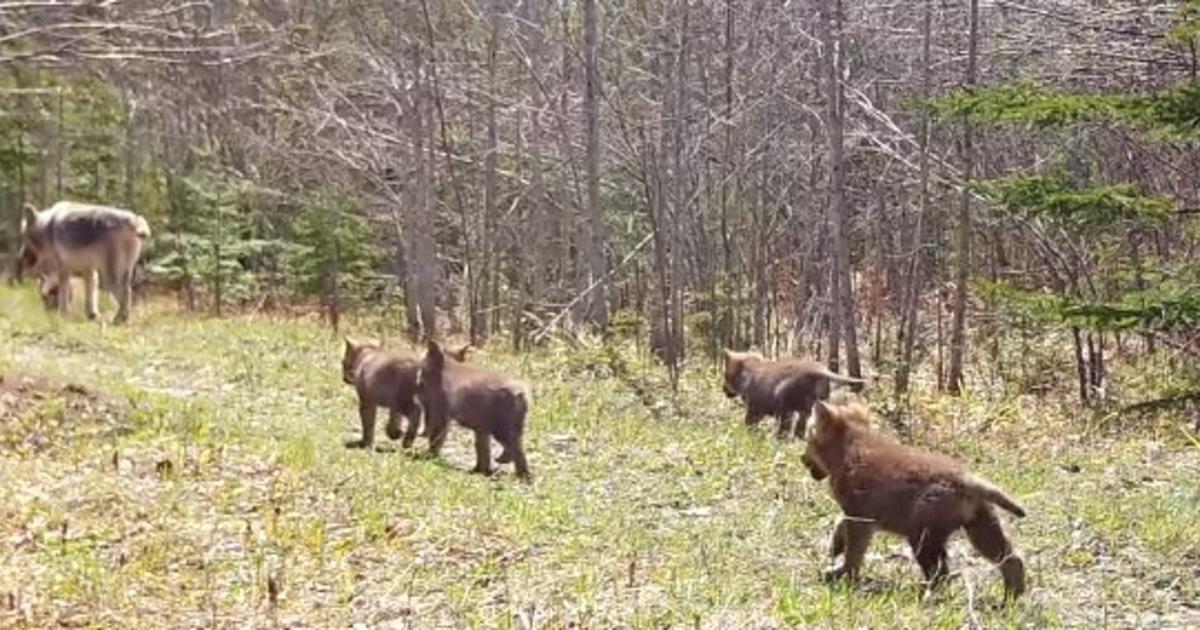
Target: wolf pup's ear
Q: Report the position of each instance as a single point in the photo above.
(434, 358)
(824, 414)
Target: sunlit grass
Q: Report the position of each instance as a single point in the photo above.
(223, 472)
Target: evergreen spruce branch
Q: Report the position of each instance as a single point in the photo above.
(1169, 115)
(1172, 309)
(1050, 196)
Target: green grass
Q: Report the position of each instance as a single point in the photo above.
(667, 514)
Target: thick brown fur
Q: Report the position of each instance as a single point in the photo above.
(923, 496)
(389, 380)
(778, 388)
(490, 404)
(382, 379)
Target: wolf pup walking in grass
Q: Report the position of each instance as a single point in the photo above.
(99, 243)
(778, 388)
(385, 379)
(925, 497)
(490, 404)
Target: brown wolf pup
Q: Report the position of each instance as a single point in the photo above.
(389, 380)
(48, 290)
(925, 497)
(778, 388)
(490, 404)
(48, 287)
(100, 243)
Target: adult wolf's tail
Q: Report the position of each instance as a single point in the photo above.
(141, 228)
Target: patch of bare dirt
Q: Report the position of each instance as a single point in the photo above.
(38, 414)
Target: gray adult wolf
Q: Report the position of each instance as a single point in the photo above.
(100, 243)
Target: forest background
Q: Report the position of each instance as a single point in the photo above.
(985, 207)
(906, 181)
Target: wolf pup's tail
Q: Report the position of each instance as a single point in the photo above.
(994, 495)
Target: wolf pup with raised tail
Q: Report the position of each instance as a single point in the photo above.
(779, 388)
(99, 243)
(925, 497)
(490, 404)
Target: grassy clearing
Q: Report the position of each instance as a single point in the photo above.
(193, 474)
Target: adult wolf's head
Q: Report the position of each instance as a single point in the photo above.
(33, 239)
(35, 259)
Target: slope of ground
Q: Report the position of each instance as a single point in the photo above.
(187, 471)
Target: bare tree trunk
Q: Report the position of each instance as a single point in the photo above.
(540, 260)
(1139, 279)
(757, 263)
(61, 145)
(535, 257)
(129, 149)
(1080, 365)
(910, 316)
(832, 330)
(41, 166)
(521, 230)
(680, 180)
(451, 171)
(403, 267)
(22, 196)
(335, 289)
(660, 309)
(422, 267)
(653, 173)
(482, 310)
(569, 220)
(594, 232)
(218, 285)
(878, 281)
(726, 335)
(831, 45)
(758, 258)
(958, 337)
